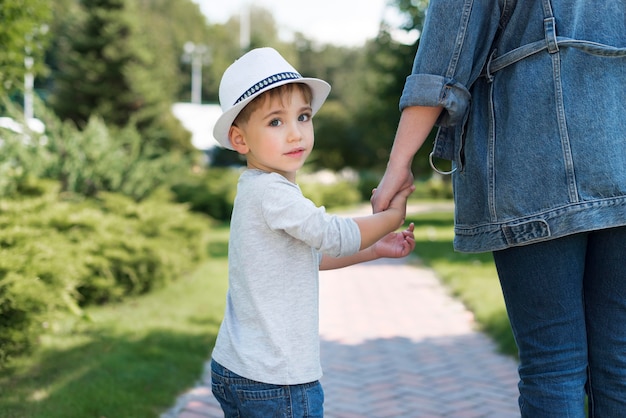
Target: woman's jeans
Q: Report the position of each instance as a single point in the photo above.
(241, 397)
(566, 300)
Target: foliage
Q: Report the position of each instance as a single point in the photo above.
(18, 166)
(23, 32)
(435, 187)
(113, 365)
(337, 194)
(337, 143)
(211, 192)
(60, 253)
(96, 51)
(166, 25)
(104, 63)
(104, 66)
(414, 12)
(89, 161)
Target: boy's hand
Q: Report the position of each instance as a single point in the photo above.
(396, 178)
(398, 202)
(395, 244)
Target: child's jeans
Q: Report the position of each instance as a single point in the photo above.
(244, 398)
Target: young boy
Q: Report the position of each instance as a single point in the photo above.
(266, 361)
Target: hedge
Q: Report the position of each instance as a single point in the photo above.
(59, 253)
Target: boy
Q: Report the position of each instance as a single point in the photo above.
(266, 359)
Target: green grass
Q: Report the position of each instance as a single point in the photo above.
(129, 360)
(470, 277)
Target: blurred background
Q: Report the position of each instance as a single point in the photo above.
(155, 65)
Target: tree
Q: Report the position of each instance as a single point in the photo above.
(23, 32)
(106, 66)
(97, 52)
(389, 63)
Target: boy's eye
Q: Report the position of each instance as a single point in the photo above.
(275, 122)
(304, 117)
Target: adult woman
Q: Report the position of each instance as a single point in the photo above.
(528, 96)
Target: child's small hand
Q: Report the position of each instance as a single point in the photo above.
(395, 244)
(398, 202)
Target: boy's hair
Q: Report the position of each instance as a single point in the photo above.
(280, 93)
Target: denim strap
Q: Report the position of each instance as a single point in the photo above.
(551, 42)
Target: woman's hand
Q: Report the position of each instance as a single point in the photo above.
(396, 178)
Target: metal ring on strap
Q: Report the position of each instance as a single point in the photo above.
(432, 165)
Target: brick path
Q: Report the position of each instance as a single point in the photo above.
(394, 344)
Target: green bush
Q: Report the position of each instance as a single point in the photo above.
(211, 192)
(24, 305)
(100, 159)
(63, 252)
(368, 181)
(98, 229)
(435, 187)
(87, 161)
(341, 193)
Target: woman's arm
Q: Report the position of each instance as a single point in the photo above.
(415, 125)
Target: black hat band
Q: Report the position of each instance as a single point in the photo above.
(266, 83)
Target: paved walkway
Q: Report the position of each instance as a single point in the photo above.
(395, 344)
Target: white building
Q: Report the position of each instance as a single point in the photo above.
(199, 120)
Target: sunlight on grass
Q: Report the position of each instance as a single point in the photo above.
(470, 277)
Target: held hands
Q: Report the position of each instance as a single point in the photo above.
(395, 179)
(398, 202)
(395, 244)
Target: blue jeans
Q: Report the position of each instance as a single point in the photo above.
(245, 398)
(566, 300)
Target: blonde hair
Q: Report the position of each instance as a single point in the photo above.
(280, 93)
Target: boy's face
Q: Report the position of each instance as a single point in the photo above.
(278, 136)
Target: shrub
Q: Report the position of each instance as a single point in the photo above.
(24, 305)
(368, 180)
(435, 187)
(333, 195)
(99, 159)
(58, 254)
(86, 161)
(211, 192)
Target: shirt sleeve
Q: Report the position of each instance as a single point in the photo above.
(453, 49)
(286, 209)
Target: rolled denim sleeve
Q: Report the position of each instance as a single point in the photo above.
(453, 49)
(434, 90)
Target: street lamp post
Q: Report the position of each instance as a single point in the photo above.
(29, 76)
(197, 55)
(29, 83)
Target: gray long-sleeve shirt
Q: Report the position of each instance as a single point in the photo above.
(270, 331)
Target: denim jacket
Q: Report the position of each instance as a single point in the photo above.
(534, 120)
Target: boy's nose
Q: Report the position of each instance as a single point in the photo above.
(295, 134)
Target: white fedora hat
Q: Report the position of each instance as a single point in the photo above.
(255, 72)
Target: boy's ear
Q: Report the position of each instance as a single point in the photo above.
(237, 140)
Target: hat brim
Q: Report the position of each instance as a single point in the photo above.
(319, 88)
